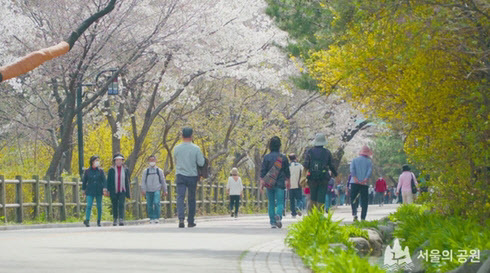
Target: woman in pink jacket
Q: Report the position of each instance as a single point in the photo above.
(405, 184)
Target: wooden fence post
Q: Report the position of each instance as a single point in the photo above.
(201, 195)
(62, 200)
(76, 196)
(216, 192)
(3, 198)
(169, 199)
(223, 196)
(37, 199)
(48, 198)
(19, 199)
(137, 198)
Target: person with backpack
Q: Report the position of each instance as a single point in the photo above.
(188, 158)
(360, 169)
(275, 176)
(318, 162)
(407, 185)
(295, 191)
(380, 190)
(152, 184)
(341, 193)
(118, 186)
(94, 185)
(329, 197)
(234, 188)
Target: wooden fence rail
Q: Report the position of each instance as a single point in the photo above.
(55, 197)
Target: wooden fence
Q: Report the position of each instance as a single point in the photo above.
(65, 196)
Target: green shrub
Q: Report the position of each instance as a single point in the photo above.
(311, 237)
(416, 224)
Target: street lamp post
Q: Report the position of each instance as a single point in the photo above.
(112, 90)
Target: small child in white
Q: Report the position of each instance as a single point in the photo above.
(234, 188)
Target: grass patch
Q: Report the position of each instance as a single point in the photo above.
(310, 238)
(416, 224)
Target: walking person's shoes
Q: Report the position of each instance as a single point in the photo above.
(86, 223)
(355, 218)
(236, 215)
(232, 214)
(273, 226)
(299, 213)
(191, 225)
(115, 222)
(278, 221)
(98, 223)
(156, 221)
(121, 222)
(181, 224)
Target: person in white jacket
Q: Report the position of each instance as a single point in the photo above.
(234, 188)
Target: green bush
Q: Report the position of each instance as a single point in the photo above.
(416, 224)
(310, 238)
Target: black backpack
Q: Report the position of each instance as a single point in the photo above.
(148, 173)
(318, 168)
(204, 170)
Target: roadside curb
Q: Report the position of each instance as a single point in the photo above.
(127, 223)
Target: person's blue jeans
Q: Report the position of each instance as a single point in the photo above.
(90, 202)
(303, 201)
(328, 201)
(276, 203)
(342, 199)
(295, 199)
(185, 183)
(153, 205)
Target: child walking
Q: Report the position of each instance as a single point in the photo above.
(234, 188)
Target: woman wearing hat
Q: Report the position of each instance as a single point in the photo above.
(360, 170)
(234, 188)
(93, 185)
(318, 162)
(118, 186)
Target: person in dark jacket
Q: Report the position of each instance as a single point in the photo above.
(318, 162)
(276, 193)
(93, 186)
(118, 186)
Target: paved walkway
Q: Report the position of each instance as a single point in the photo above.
(246, 244)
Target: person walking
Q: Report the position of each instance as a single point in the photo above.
(188, 157)
(341, 193)
(360, 169)
(371, 194)
(118, 186)
(405, 185)
(234, 188)
(330, 194)
(94, 184)
(380, 190)
(295, 191)
(318, 162)
(152, 184)
(275, 176)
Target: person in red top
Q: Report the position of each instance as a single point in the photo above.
(380, 190)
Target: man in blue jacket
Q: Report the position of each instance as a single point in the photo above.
(360, 170)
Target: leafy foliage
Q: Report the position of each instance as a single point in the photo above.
(311, 237)
(416, 224)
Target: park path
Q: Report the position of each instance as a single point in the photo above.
(246, 244)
